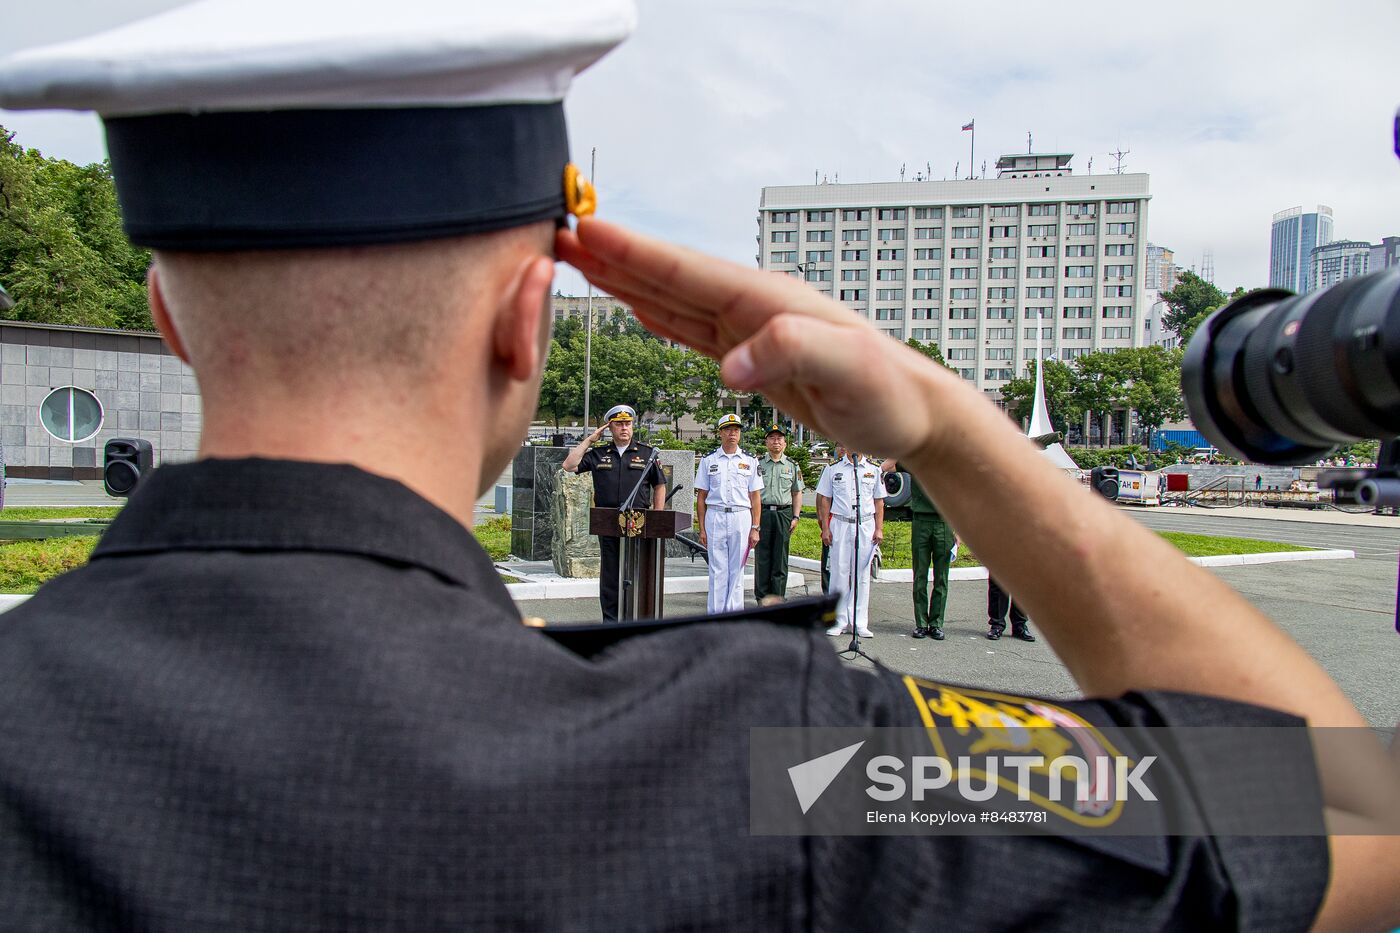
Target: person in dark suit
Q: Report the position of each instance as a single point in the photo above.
(289, 690)
(617, 469)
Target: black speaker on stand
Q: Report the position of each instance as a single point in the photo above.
(124, 461)
(1104, 480)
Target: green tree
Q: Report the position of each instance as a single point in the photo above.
(1098, 386)
(561, 387)
(62, 253)
(1193, 298)
(929, 350)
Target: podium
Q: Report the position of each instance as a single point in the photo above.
(642, 563)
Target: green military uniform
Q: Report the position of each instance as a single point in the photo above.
(780, 478)
(930, 538)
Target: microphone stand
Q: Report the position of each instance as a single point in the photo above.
(624, 584)
(854, 649)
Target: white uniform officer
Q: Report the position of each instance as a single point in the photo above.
(727, 489)
(848, 485)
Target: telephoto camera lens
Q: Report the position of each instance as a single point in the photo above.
(1281, 378)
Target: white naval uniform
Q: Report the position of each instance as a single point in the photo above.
(838, 483)
(727, 480)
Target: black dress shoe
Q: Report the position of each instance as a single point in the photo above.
(993, 634)
(918, 633)
(936, 634)
(1022, 633)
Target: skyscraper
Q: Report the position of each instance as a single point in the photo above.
(1295, 234)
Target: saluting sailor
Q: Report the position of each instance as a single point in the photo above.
(727, 487)
(616, 467)
(850, 504)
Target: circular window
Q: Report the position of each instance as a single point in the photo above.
(71, 414)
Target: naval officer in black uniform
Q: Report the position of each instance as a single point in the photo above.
(617, 468)
(290, 692)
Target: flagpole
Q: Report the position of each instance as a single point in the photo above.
(588, 332)
(972, 155)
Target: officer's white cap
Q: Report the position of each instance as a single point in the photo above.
(730, 420)
(621, 413)
(264, 123)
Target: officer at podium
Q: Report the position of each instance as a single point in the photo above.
(616, 468)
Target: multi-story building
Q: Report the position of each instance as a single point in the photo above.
(1162, 271)
(1341, 259)
(576, 306)
(1293, 238)
(1386, 253)
(988, 269)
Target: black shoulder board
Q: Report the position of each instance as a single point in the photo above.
(587, 638)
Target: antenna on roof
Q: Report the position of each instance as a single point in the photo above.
(1091, 165)
(1029, 148)
(901, 171)
(1118, 168)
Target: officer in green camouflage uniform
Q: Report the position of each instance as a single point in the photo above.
(931, 540)
(782, 506)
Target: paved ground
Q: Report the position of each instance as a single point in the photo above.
(1371, 537)
(1342, 612)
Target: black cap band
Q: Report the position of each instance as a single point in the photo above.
(307, 178)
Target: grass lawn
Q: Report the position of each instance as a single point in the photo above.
(38, 513)
(494, 535)
(807, 542)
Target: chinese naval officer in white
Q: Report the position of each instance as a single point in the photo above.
(852, 495)
(727, 490)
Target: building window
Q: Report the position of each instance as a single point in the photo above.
(783, 217)
(1122, 207)
(1001, 294)
(1079, 291)
(783, 256)
(1006, 210)
(1040, 272)
(924, 333)
(928, 213)
(1125, 272)
(1074, 311)
(961, 353)
(966, 212)
(1079, 272)
(928, 294)
(1074, 353)
(962, 294)
(819, 275)
(1003, 233)
(1040, 291)
(889, 275)
(853, 294)
(928, 233)
(1000, 333)
(1002, 252)
(1120, 249)
(1046, 333)
(1117, 311)
(855, 255)
(1080, 251)
(1042, 230)
(997, 353)
(889, 294)
(891, 213)
(996, 374)
(967, 233)
(889, 314)
(862, 214)
(1076, 333)
(929, 252)
(966, 252)
(1001, 314)
(855, 275)
(961, 314)
(1001, 272)
(1039, 312)
(1082, 229)
(890, 255)
(1121, 229)
(889, 234)
(856, 234)
(1117, 333)
(1040, 252)
(820, 236)
(1044, 210)
(924, 314)
(962, 272)
(968, 374)
(927, 273)
(818, 217)
(1080, 210)
(70, 414)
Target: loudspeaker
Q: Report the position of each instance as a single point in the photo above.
(124, 461)
(1104, 481)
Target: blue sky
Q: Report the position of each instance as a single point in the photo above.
(1236, 110)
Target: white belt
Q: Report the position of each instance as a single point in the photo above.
(726, 508)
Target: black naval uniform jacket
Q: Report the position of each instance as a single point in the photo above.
(289, 696)
(614, 475)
